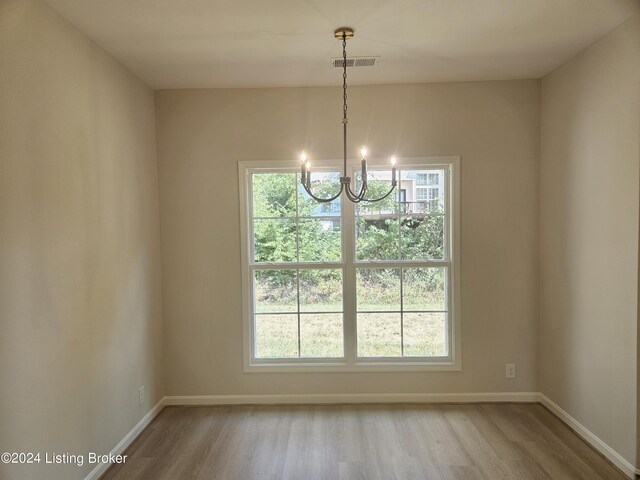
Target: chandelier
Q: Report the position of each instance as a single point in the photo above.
(345, 33)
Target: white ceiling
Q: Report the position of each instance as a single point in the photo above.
(257, 43)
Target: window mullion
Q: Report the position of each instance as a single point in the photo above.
(399, 215)
(402, 312)
(295, 186)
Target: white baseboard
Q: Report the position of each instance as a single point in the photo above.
(589, 437)
(127, 440)
(331, 398)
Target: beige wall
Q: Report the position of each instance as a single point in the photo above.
(589, 236)
(202, 134)
(80, 312)
(80, 309)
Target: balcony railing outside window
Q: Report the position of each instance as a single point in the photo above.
(406, 208)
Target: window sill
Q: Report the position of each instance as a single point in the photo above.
(369, 366)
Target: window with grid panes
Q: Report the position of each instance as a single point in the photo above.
(353, 286)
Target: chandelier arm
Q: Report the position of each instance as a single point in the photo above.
(363, 190)
(323, 200)
(348, 193)
(360, 196)
(393, 187)
(356, 197)
(352, 198)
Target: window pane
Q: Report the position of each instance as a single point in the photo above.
(321, 335)
(323, 185)
(423, 289)
(377, 222)
(425, 191)
(377, 238)
(275, 291)
(378, 289)
(321, 290)
(425, 334)
(422, 237)
(276, 336)
(320, 240)
(274, 194)
(379, 335)
(274, 240)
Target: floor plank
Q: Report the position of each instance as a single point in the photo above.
(368, 442)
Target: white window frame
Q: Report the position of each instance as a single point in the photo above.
(350, 362)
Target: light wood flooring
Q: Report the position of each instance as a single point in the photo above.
(385, 442)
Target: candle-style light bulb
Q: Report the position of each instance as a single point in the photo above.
(363, 167)
(393, 171)
(303, 167)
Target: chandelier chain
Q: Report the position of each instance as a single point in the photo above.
(344, 75)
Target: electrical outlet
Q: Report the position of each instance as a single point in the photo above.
(510, 370)
(141, 395)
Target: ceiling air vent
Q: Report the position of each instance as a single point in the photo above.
(355, 61)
